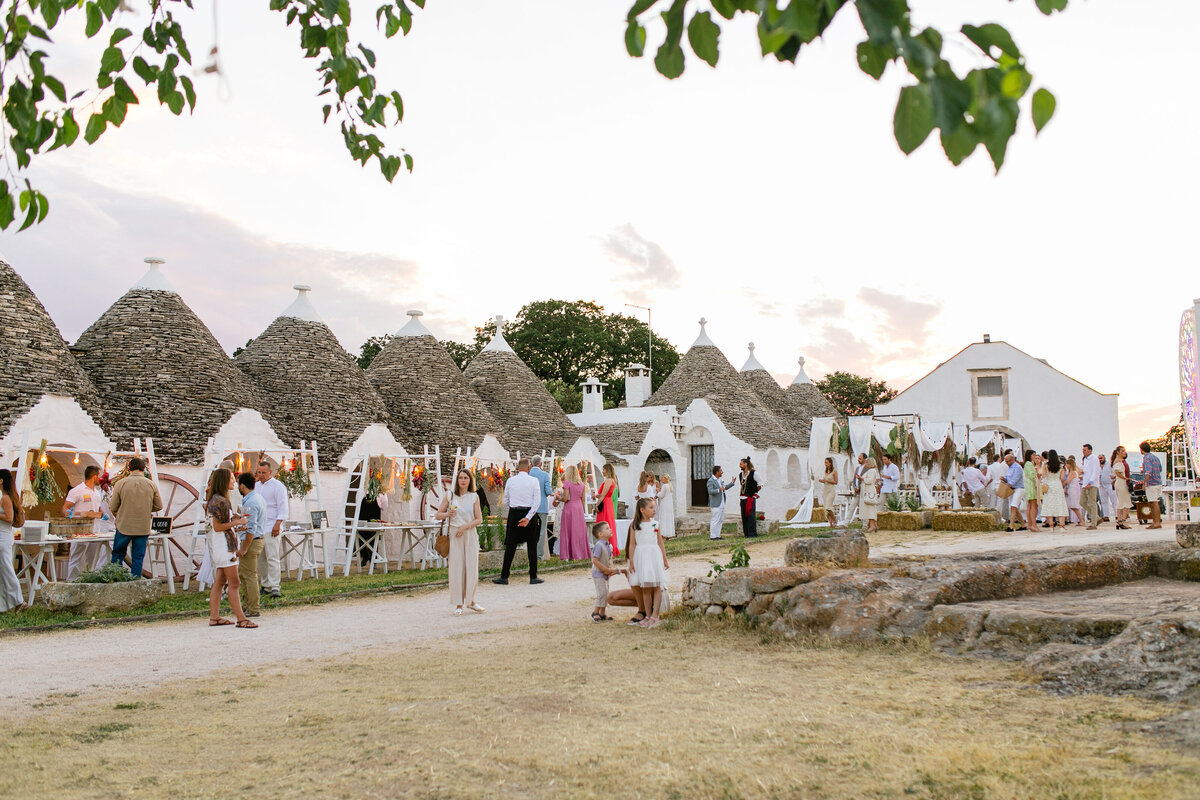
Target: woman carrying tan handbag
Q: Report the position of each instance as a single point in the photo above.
(461, 511)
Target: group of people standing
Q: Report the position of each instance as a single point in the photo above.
(872, 483)
(1059, 492)
(748, 492)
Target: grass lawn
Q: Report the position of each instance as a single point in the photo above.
(325, 589)
(697, 708)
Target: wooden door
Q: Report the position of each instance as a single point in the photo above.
(702, 464)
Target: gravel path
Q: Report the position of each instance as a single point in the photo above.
(95, 661)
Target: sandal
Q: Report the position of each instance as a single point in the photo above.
(245, 623)
(596, 617)
(219, 621)
(637, 619)
(458, 611)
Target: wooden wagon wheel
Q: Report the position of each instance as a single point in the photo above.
(433, 499)
(179, 498)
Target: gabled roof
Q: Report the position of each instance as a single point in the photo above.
(531, 418)
(705, 373)
(161, 373)
(316, 390)
(426, 394)
(35, 359)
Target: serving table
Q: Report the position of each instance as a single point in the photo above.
(38, 564)
(301, 543)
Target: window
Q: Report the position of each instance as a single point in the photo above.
(992, 386)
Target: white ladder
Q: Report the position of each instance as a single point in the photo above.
(1183, 480)
(347, 535)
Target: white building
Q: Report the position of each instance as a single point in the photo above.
(994, 386)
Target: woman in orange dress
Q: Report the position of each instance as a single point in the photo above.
(606, 503)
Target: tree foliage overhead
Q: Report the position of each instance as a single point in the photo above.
(979, 107)
(854, 395)
(41, 113)
(565, 342)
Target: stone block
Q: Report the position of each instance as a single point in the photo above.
(1180, 565)
(768, 580)
(696, 592)
(1188, 534)
(733, 587)
(848, 549)
(90, 599)
(714, 610)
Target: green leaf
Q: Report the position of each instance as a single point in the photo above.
(144, 71)
(189, 91)
(1015, 83)
(43, 204)
(640, 7)
(985, 37)
(951, 99)
(7, 207)
(119, 35)
(389, 166)
(1043, 108)
(174, 101)
(1050, 6)
(803, 18)
(959, 143)
(94, 20)
(669, 60)
(996, 124)
(95, 128)
(703, 34)
(882, 17)
(112, 60)
(913, 121)
(873, 59)
(123, 92)
(635, 39)
(68, 132)
(55, 85)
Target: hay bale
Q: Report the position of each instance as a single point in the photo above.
(901, 520)
(963, 521)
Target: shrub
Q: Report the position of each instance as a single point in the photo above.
(912, 502)
(109, 573)
(894, 503)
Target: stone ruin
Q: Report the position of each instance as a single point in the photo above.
(1125, 619)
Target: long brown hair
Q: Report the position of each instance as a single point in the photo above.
(638, 519)
(8, 486)
(470, 483)
(219, 484)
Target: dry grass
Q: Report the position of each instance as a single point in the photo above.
(697, 709)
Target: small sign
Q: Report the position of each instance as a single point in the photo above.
(320, 519)
(160, 526)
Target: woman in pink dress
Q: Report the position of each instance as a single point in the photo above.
(606, 497)
(572, 540)
(1071, 481)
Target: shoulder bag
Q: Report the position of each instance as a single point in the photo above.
(441, 545)
(1004, 490)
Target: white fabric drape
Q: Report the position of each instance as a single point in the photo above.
(860, 436)
(926, 494)
(931, 436)
(882, 431)
(818, 445)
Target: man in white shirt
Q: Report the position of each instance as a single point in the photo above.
(891, 479)
(1108, 495)
(275, 497)
(995, 472)
(522, 497)
(86, 501)
(1091, 487)
(972, 481)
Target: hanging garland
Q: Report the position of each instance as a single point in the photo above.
(406, 487)
(45, 488)
(296, 478)
(374, 486)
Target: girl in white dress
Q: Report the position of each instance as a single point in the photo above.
(666, 508)
(647, 561)
(462, 509)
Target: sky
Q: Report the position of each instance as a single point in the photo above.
(769, 198)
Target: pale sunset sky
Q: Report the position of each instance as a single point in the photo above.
(769, 198)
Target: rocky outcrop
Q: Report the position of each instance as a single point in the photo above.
(846, 548)
(1188, 534)
(89, 599)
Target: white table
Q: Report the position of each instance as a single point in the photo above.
(376, 543)
(35, 570)
(301, 544)
(423, 535)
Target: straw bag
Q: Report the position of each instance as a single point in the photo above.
(1004, 490)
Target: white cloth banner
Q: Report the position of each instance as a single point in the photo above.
(927, 500)
(980, 440)
(882, 432)
(860, 437)
(818, 444)
(931, 436)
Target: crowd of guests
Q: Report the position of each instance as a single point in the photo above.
(1029, 490)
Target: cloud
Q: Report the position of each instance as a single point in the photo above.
(1145, 421)
(838, 348)
(89, 250)
(904, 318)
(644, 264)
(819, 308)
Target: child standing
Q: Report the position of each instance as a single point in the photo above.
(647, 561)
(602, 568)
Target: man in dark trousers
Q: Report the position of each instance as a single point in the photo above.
(522, 497)
(749, 498)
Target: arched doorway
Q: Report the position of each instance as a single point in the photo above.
(795, 471)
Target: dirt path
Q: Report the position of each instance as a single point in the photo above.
(93, 661)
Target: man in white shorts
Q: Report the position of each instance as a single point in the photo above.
(1014, 476)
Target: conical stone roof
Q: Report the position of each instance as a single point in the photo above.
(35, 359)
(770, 393)
(424, 391)
(806, 401)
(704, 373)
(530, 417)
(161, 373)
(313, 388)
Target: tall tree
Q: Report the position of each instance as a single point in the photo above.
(565, 342)
(371, 348)
(854, 395)
(979, 107)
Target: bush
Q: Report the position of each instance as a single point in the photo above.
(109, 573)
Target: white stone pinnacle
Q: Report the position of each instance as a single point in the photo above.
(302, 307)
(498, 343)
(752, 363)
(414, 326)
(154, 280)
(702, 340)
(801, 377)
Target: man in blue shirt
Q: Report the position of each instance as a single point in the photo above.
(255, 511)
(1152, 481)
(1014, 476)
(543, 478)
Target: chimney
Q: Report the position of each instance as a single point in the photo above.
(637, 385)
(593, 396)
(987, 337)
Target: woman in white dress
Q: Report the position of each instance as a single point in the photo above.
(1054, 503)
(223, 550)
(462, 509)
(11, 516)
(666, 508)
(868, 498)
(647, 562)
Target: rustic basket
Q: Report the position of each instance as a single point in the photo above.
(67, 527)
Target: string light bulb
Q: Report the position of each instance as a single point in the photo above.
(77, 458)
